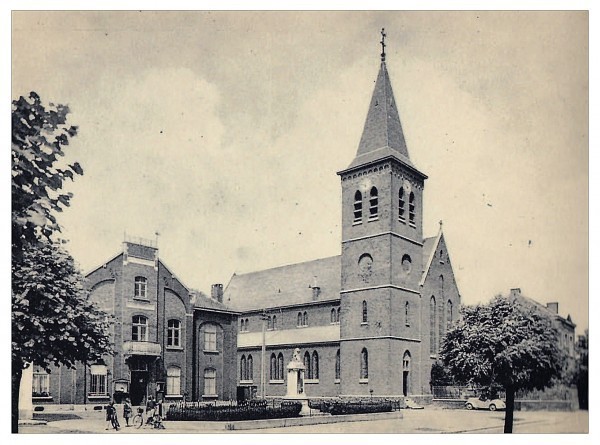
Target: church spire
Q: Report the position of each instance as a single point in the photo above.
(382, 134)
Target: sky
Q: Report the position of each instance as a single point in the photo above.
(223, 132)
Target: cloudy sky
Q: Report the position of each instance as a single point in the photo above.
(223, 132)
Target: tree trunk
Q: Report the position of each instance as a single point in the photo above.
(510, 409)
(17, 372)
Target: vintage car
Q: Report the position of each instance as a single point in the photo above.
(484, 403)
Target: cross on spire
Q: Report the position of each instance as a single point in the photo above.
(383, 34)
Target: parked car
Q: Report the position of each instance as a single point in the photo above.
(484, 403)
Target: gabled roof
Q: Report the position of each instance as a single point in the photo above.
(429, 249)
(285, 285)
(516, 293)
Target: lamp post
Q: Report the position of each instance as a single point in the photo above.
(263, 354)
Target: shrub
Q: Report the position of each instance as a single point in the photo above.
(253, 410)
(360, 407)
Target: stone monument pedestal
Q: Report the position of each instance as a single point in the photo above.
(295, 383)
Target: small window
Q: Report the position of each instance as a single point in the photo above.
(373, 203)
(139, 328)
(338, 314)
(411, 208)
(365, 314)
(273, 368)
(305, 319)
(174, 333)
(269, 323)
(406, 314)
(250, 368)
(337, 365)
(210, 337)
(210, 382)
(280, 366)
(243, 365)
(299, 319)
(140, 288)
(274, 325)
(173, 381)
(307, 367)
(358, 207)
(41, 383)
(315, 365)
(246, 326)
(242, 327)
(364, 364)
(333, 316)
(450, 315)
(98, 375)
(401, 204)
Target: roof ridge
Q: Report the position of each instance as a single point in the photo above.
(285, 265)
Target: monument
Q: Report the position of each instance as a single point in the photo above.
(295, 382)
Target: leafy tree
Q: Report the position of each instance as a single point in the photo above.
(38, 137)
(440, 375)
(510, 343)
(53, 321)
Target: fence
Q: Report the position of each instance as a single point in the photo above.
(452, 392)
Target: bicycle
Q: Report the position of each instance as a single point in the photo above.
(155, 420)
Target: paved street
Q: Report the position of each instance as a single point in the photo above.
(424, 421)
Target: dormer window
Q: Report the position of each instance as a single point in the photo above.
(401, 204)
(373, 204)
(357, 207)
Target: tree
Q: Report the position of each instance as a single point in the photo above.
(510, 343)
(38, 137)
(53, 321)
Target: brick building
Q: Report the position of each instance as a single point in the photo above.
(170, 342)
(368, 321)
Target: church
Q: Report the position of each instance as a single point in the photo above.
(369, 321)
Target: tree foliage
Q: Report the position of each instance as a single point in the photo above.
(53, 320)
(510, 343)
(39, 135)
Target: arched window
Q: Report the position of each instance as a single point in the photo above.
(246, 325)
(338, 314)
(364, 364)
(333, 318)
(210, 337)
(273, 368)
(173, 381)
(269, 323)
(411, 207)
(299, 319)
(174, 333)
(365, 314)
(406, 361)
(140, 288)
(305, 319)
(307, 367)
(274, 326)
(337, 365)
(449, 314)
(210, 382)
(243, 371)
(442, 285)
(357, 207)
(139, 328)
(315, 365)
(242, 325)
(433, 326)
(401, 204)
(406, 373)
(406, 314)
(280, 366)
(373, 203)
(250, 369)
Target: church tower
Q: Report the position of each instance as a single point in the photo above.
(382, 256)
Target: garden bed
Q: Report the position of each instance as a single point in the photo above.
(254, 410)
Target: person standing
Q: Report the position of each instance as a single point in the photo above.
(111, 416)
(127, 411)
(150, 407)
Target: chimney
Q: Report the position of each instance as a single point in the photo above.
(516, 292)
(552, 307)
(316, 290)
(216, 292)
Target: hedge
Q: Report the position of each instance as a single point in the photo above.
(250, 411)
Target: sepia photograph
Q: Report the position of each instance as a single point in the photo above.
(299, 222)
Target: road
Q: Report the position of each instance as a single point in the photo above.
(429, 420)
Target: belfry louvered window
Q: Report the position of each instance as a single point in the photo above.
(401, 204)
(373, 204)
(411, 207)
(358, 207)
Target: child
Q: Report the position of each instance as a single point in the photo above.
(127, 411)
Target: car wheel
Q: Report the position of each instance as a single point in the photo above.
(492, 407)
(469, 406)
